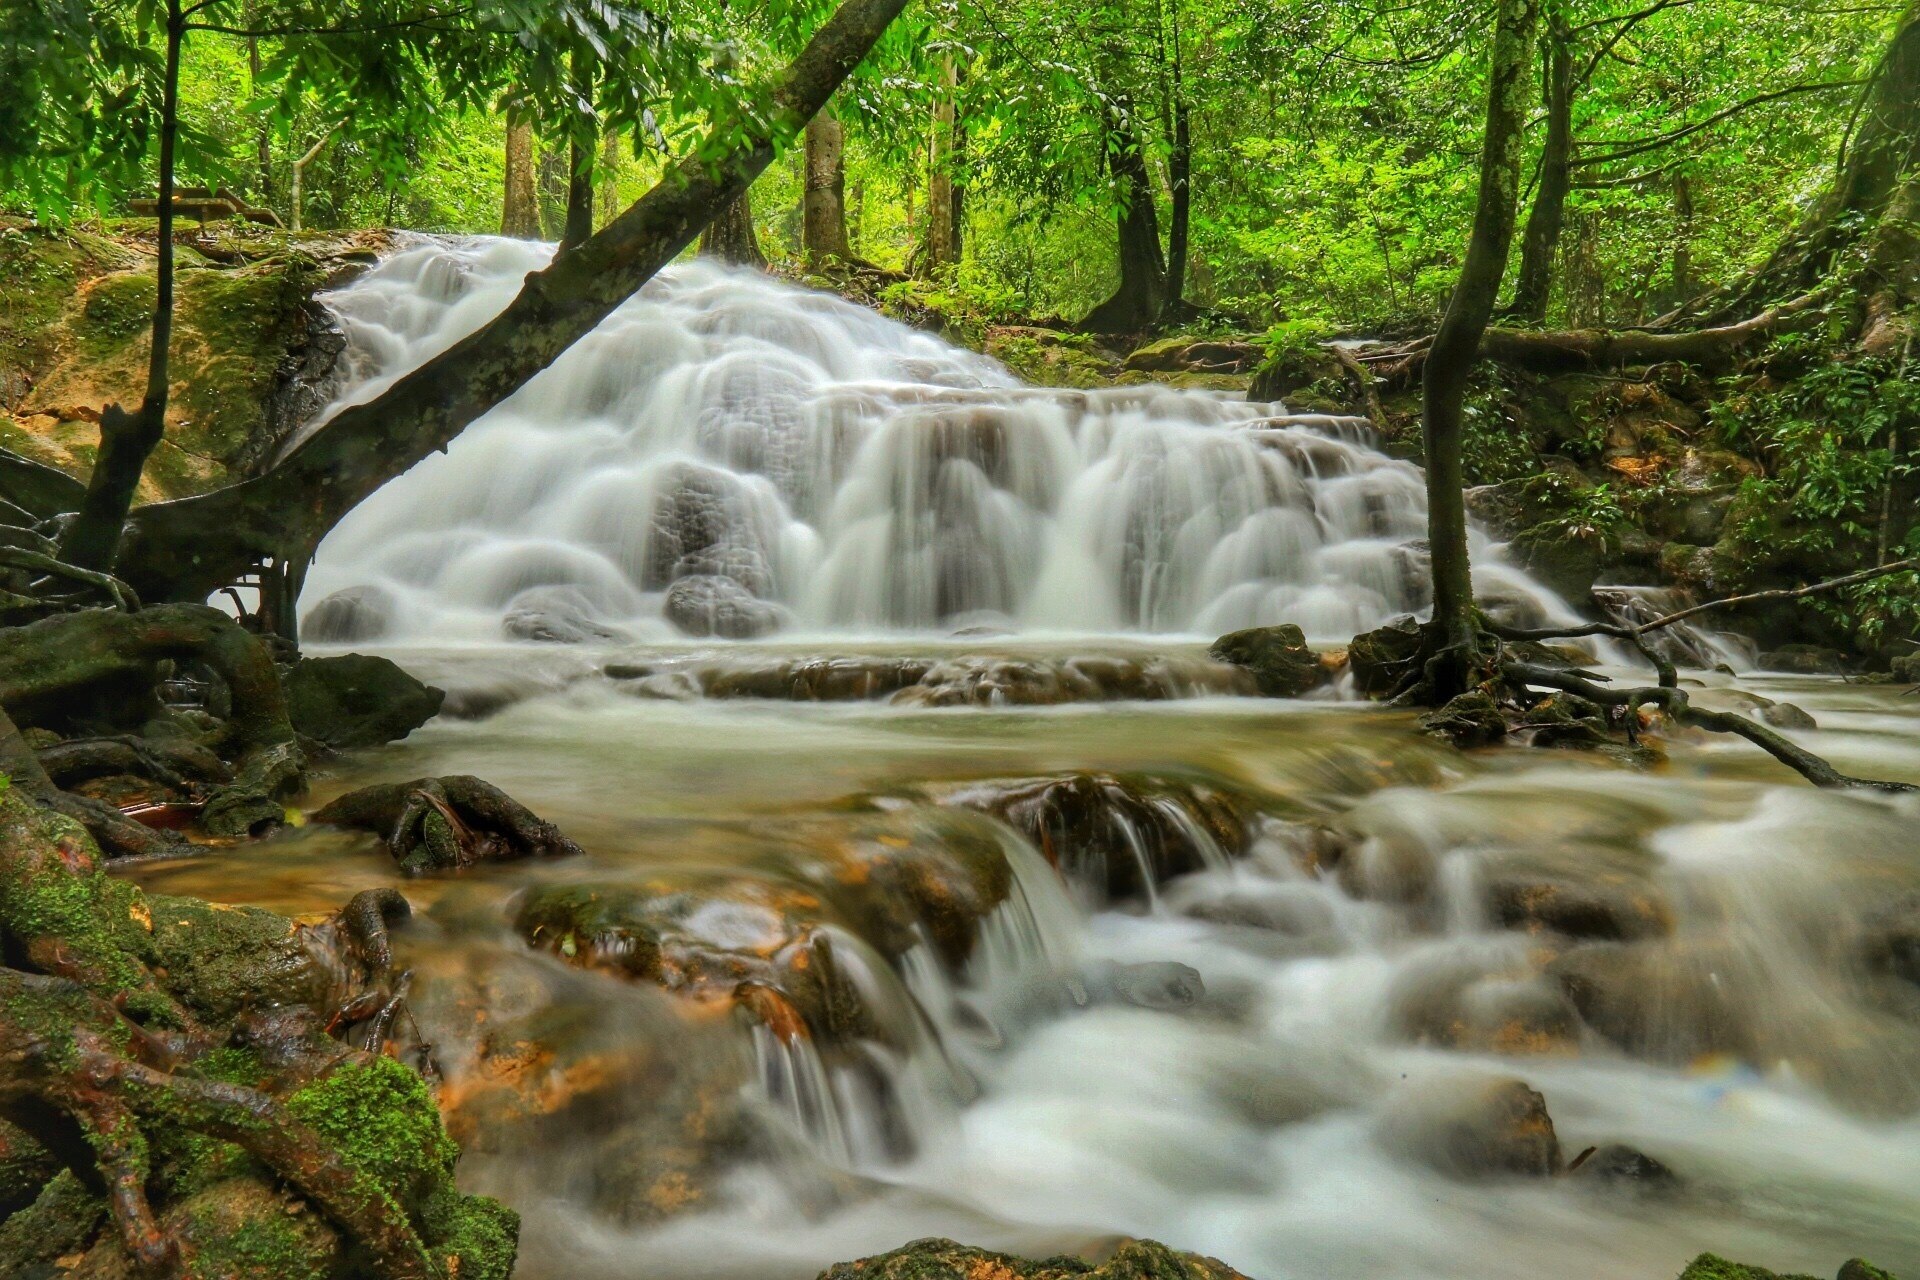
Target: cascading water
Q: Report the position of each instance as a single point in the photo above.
(791, 459)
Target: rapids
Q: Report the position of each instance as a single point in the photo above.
(1360, 908)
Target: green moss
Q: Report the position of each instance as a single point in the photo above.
(1711, 1266)
(118, 310)
(472, 1237)
(1047, 358)
(220, 960)
(60, 1222)
(266, 1248)
(381, 1117)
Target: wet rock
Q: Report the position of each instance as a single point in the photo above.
(1669, 1001)
(1155, 984)
(1805, 659)
(447, 824)
(557, 615)
(699, 509)
(1282, 664)
(351, 616)
(1186, 354)
(1463, 1002)
(1566, 720)
(1051, 358)
(1906, 668)
(1114, 836)
(1471, 720)
(817, 679)
(356, 700)
(1474, 1128)
(1379, 659)
(720, 940)
(1579, 910)
(1709, 1266)
(710, 605)
(937, 1259)
(1861, 1269)
(1892, 941)
(1619, 1167)
(1784, 715)
(238, 1229)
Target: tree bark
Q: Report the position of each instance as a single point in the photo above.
(551, 176)
(1180, 173)
(1142, 293)
(1456, 346)
(186, 549)
(520, 211)
(943, 244)
(1541, 241)
(823, 211)
(1882, 154)
(582, 140)
(92, 541)
(608, 199)
(1683, 283)
(730, 237)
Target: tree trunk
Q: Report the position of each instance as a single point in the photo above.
(1137, 302)
(1456, 345)
(92, 541)
(187, 549)
(730, 237)
(520, 212)
(943, 245)
(581, 142)
(1541, 242)
(550, 181)
(823, 210)
(608, 200)
(1180, 173)
(1883, 152)
(1683, 284)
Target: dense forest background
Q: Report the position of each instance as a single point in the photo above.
(1330, 147)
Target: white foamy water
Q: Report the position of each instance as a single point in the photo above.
(857, 474)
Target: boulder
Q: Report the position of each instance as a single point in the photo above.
(1784, 715)
(1187, 354)
(1282, 664)
(1471, 1128)
(1805, 659)
(1710, 1266)
(1906, 668)
(351, 616)
(357, 700)
(936, 1259)
(557, 615)
(1567, 720)
(1379, 658)
(1473, 719)
(1579, 910)
(1619, 1167)
(710, 605)
(1155, 984)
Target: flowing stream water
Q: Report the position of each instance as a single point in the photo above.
(1368, 934)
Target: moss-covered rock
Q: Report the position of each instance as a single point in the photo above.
(1711, 1266)
(1473, 719)
(937, 1259)
(252, 354)
(1282, 664)
(356, 700)
(1052, 357)
(1379, 659)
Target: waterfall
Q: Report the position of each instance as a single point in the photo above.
(737, 454)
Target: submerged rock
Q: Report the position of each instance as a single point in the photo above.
(1154, 984)
(937, 1259)
(356, 700)
(950, 682)
(1785, 715)
(1579, 909)
(351, 616)
(1118, 836)
(557, 615)
(1619, 1167)
(1474, 1128)
(1282, 664)
(708, 604)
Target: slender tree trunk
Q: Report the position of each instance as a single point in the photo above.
(1540, 245)
(191, 547)
(1683, 284)
(730, 237)
(1142, 293)
(823, 210)
(608, 200)
(581, 143)
(92, 541)
(943, 248)
(262, 136)
(550, 180)
(520, 211)
(1455, 349)
(1180, 172)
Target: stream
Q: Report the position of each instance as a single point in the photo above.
(1046, 933)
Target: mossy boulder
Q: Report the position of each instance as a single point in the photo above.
(937, 1259)
(1473, 719)
(1052, 357)
(1711, 1266)
(1185, 353)
(1381, 658)
(1282, 664)
(357, 700)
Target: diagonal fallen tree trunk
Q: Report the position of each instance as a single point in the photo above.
(187, 549)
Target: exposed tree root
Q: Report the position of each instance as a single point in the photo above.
(437, 824)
